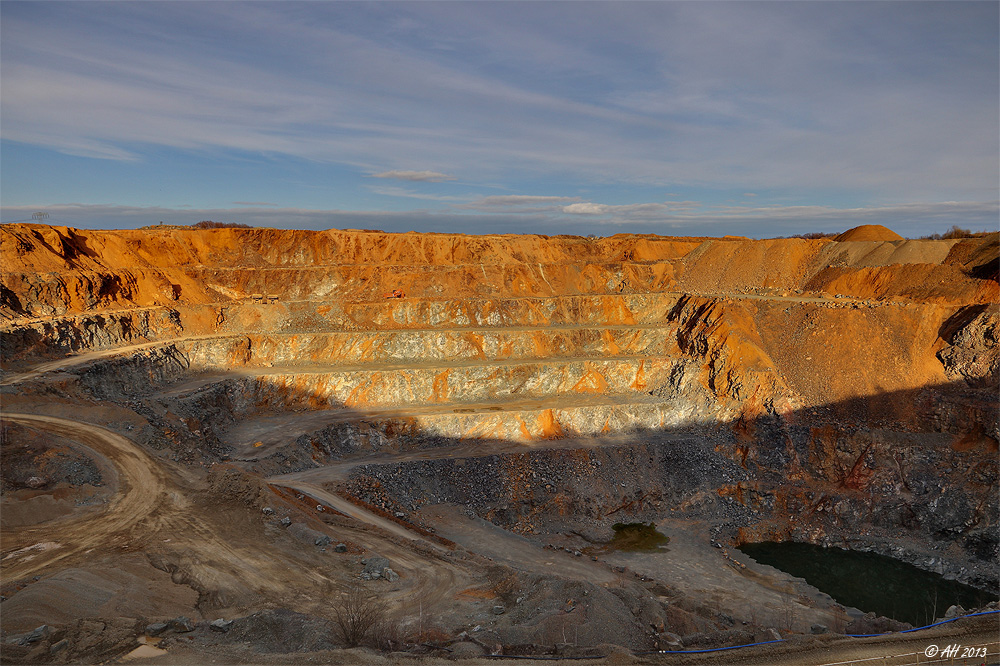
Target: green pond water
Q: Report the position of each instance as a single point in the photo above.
(870, 582)
(638, 537)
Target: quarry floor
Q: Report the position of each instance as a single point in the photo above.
(898, 650)
(171, 512)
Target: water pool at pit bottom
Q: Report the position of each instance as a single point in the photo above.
(870, 582)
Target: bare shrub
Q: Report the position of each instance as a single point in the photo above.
(385, 634)
(357, 614)
(787, 613)
(840, 620)
(955, 232)
(814, 235)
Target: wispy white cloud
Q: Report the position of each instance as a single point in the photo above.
(428, 176)
(764, 221)
(817, 113)
(937, 211)
(254, 203)
(637, 210)
(586, 208)
(394, 191)
(509, 200)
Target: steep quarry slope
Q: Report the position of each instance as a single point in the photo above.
(750, 324)
(835, 391)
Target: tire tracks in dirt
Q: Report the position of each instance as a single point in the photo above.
(143, 489)
(149, 504)
(435, 579)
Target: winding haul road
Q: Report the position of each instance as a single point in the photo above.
(149, 502)
(142, 490)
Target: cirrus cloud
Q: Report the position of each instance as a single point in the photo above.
(416, 176)
(687, 219)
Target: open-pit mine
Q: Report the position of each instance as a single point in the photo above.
(274, 446)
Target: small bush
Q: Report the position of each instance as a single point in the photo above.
(385, 635)
(357, 614)
(814, 235)
(954, 233)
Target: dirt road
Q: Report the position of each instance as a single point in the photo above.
(142, 489)
(890, 650)
(152, 513)
(79, 359)
(358, 513)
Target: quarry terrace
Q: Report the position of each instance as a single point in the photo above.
(252, 445)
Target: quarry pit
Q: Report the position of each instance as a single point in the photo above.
(235, 423)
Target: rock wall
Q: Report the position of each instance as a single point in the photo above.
(58, 270)
(896, 493)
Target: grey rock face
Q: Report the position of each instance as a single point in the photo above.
(974, 352)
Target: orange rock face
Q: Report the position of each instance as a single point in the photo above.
(736, 326)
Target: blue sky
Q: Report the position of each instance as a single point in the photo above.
(684, 118)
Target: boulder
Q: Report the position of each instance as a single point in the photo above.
(282, 631)
(373, 567)
(38, 634)
(954, 611)
(181, 624)
(221, 625)
(870, 623)
(156, 628)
